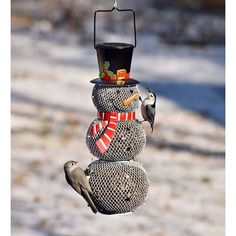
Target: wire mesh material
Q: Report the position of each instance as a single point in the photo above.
(129, 139)
(118, 187)
(109, 98)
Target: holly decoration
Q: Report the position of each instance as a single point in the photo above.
(107, 74)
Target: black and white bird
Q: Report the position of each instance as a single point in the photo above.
(77, 179)
(148, 107)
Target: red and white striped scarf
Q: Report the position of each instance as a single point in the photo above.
(109, 120)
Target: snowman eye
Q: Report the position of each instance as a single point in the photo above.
(117, 91)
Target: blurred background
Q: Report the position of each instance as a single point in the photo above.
(180, 55)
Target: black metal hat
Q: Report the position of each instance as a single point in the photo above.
(114, 59)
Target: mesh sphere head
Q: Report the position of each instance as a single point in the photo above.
(109, 98)
(118, 187)
(128, 141)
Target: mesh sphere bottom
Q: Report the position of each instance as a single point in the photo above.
(118, 187)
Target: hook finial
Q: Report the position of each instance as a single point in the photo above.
(115, 4)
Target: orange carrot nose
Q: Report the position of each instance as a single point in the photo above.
(129, 100)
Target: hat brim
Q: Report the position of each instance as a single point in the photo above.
(114, 82)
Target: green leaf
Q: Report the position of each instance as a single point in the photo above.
(101, 74)
(106, 65)
(110, 73)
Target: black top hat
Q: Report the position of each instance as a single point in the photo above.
(114, 59)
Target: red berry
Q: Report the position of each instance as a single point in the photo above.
(106, 77)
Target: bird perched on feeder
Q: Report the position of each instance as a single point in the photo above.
(148, 107)
(77, 179)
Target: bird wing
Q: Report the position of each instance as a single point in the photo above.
(83, 181)
(80, 180)
(75, 185)
(150, 111)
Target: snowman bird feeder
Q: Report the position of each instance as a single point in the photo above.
(119, 183)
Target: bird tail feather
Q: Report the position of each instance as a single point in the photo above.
(152, 127)
(89, 200)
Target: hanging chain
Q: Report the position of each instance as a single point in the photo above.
(115, 4)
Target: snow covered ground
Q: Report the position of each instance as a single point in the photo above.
(184, 158)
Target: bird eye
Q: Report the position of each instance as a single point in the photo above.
(117, 91)
(131, 91)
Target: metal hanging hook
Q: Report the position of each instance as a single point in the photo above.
(115, 7)
(115, 4)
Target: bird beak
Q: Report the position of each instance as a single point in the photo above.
(76, 162)
(131, 99)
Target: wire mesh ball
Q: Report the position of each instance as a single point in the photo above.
(118, 187)
(129, 139)
(109, 98)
